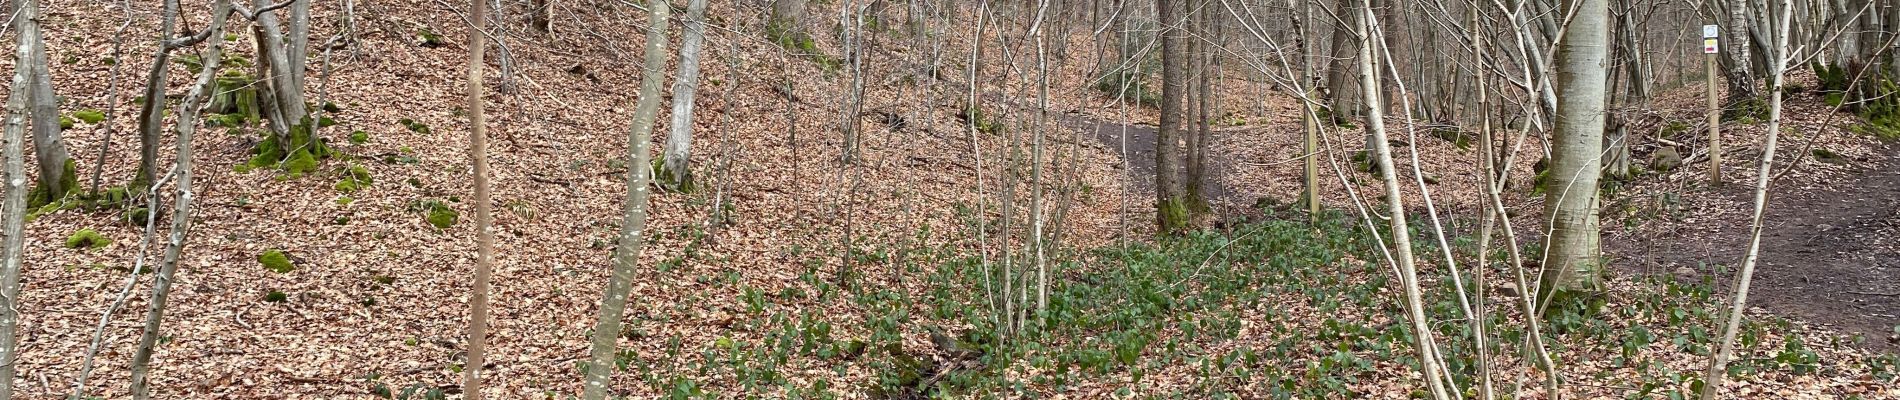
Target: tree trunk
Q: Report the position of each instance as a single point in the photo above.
(188, 119)
(1342, 94)
(484, 215)
(1718, 365)
(57, 175)
(633, 224)
(1198, 134)
(679, 138)
(1571, 258)
(1741, 74)
(1381, 152)
(788, 15)
(152, 113)
(283, 80)
(1309, 115)
(298, 44)
(1170, 204)
(13, 225)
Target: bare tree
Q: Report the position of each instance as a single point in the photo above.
(293, 135)
(484, 215)
(1718, 365)
(1401, 235)
(188, 119)
(633, 223)
(13, 224)
(152, 113)
(57, 175)
(679, 137)
(1170, 201)
(1572, 259)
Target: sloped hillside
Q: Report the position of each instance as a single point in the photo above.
(377, 292)
(787, 273)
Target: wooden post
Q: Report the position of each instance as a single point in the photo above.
(1715, 110)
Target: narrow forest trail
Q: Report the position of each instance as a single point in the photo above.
(1828, 252)
(1136, 144)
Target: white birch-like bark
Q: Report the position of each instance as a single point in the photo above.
(633, 223)
(1401, 232)
(679, 136)
(1572, 261)
(13, 225)
(1718, 366)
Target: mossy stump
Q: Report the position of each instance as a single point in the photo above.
(297, 153)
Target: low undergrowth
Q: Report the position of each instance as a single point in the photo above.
(1272, 309)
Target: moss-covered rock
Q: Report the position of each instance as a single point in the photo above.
(90, 116)
(1665, 159)
(1827, 156)
(87, 239)
(276, 261)
(237, 96)
(1457, 137)
(276, 297)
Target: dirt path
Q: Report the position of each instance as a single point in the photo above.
(1829, 256)
(1140, 153)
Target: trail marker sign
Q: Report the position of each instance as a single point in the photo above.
(1710, 31)
(1708, 46)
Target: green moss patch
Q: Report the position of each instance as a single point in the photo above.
(355, 177)
(41, 195)
(295, 154)
(974, 116)
(87, 239)
(437, 213)
(276, 261)
(800, 43)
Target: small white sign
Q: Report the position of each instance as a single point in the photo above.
(1708, 46)
(1709, 31)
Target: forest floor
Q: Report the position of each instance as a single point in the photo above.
(822, 284)
(1828, 249)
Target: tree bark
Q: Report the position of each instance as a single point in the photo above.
(152, 113)
(484, 215)
(1741, 74)
(299, 40)
(1170, 203)
(1342, 94)
(1196, 169)
(633, 223)
(1401, 232)
(188, 119)
(13, 224)
(1571, 257)
(1718, 365)
(57, 176)
(283, 80)
(679, 138)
